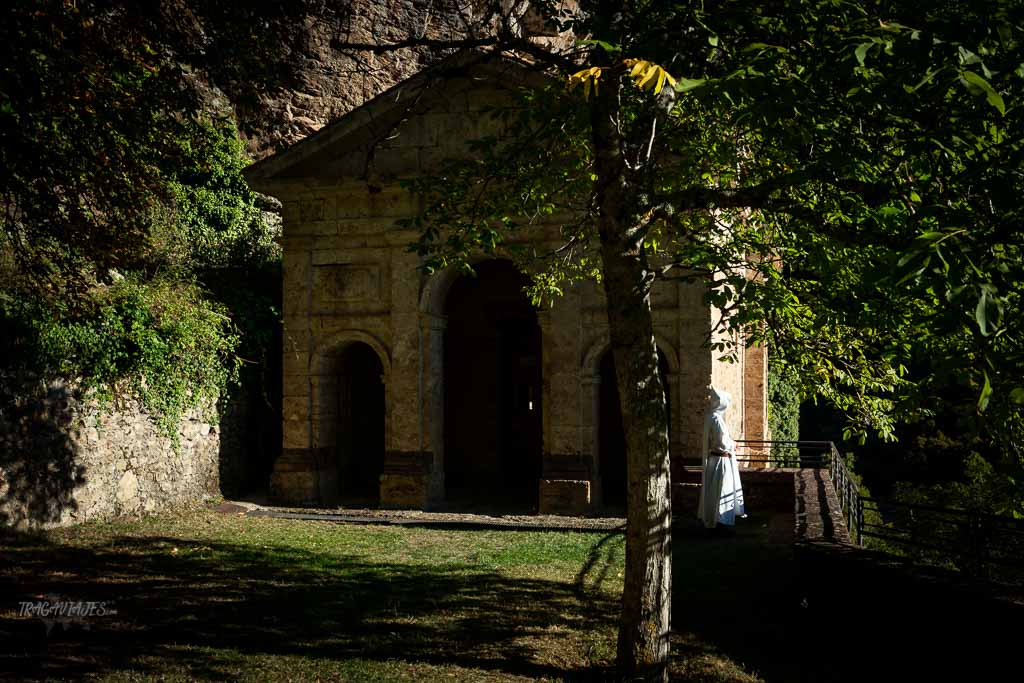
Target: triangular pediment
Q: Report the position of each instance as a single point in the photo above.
(408, 129)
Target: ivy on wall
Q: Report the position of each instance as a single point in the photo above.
(783, 403)
(174, 331)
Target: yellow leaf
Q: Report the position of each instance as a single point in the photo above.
(588, 77)
(661, 81)
(651, 73)
(646, 74)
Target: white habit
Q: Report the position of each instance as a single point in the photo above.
(721, 494)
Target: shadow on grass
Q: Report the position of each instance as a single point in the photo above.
(787, 614)
(198, 608)
(746, 607)
(735, 598)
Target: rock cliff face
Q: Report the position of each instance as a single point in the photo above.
(328, 81)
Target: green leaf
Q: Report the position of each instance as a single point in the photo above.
(994, 98)
(893, 27)
(988, 312)
(968, 57)
(604, 45)
(763, 46)
(862, 51)
(986, 393)
(1017, 395)
(928, 77)
(713, 41)
(687, 84)
(907, 258)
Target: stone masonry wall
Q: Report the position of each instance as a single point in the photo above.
(65, 460)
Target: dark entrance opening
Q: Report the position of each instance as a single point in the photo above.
(611, 438)
(360, 424)
(492, 380)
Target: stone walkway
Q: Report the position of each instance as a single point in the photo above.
(765, 528)
(448, 520)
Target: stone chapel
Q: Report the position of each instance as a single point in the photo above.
(405, 389)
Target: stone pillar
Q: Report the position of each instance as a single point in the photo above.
(590, 431)
(432, 404)
(694, 374)
(565, 485)
(755, 402)
(406, 481)
(672, 385)
(299, 475)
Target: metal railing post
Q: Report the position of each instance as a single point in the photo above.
(860, 521)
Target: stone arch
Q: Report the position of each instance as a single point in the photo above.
(435, 290)
(437, 285)
(594, 394)
(592, 358)
(336, 342)
(350, 435)
(491, 368)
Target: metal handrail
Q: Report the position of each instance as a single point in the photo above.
(798, 454)
(970, 540)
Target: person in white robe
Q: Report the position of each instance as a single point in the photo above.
(721, 493)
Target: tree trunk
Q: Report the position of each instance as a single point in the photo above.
(643, 646)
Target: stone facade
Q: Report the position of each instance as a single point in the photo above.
(350, 281)
(65, 460)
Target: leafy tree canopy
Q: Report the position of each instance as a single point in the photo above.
(860, 159)
(124, 209)
(100, 103)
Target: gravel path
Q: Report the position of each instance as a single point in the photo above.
(421, 518)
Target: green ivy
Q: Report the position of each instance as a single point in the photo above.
(162, 342)
(783, 403)
(173, 332)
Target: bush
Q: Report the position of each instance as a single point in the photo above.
(160, 341)
(170, 331)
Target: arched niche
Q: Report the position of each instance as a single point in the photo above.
(606, 437)
(491, 374)
(349, 412)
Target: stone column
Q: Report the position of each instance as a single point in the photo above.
(408, 465)
(694, 373)
(296, 476)
(672, 383)
(565, 486)
(755, 403)
(432, 404)
(590, 432)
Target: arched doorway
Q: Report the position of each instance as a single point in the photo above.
(492, 379)
(611, 439)
(361, 423)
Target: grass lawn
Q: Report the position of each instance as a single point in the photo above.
(205, 595)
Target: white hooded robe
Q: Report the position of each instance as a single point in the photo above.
(721, 494)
